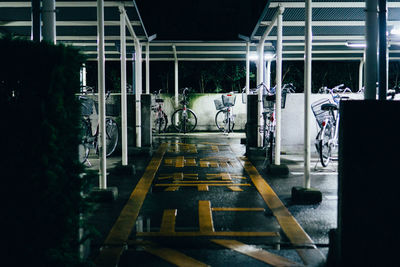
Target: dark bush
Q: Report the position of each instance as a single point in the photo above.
(41, 115)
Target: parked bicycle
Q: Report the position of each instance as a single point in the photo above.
(268, 130)
(184, 119)
(225, 119)
(327, 116)
(161, 119)
(90, 133)
(336, 89)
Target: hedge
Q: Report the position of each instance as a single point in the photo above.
(41, 171)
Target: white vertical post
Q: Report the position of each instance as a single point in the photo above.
(138, 93)
(268, 74)
(278, 91)
(124, 125)
(307, 93)
(176, 75)
(360, 74)
(101, 95)
(260, 79)
(84, 74)
(371, 54)
(247, 68)
(148, 68)
(49, 21)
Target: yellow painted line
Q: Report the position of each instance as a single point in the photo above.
(238, 209)
(205, 216)
(209, 184)
(235, 188)
(256, 253)
(173, 256)
(168, 221)
(178, 176)
(168, 161)
(191, 162)
(171, 188)
(200, 182)
(114, 244)
(292, 229)
(179, 163)
(218, 233)
(202, 187)
(215, 148)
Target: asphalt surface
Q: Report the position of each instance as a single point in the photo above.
(189, 176)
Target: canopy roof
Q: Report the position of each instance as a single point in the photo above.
(336, 25)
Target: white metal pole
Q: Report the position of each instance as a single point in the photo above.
(176, 76)
(268, 74)
(49, 21)
(148, 68)
(138, 93)
(278, 91)
(84, 74)
(371, 54)
(101, 95)
(307, 93)
(124, 125)
(360, 74)
(247, 68)
(260, 79)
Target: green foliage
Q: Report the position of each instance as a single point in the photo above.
(41, 115)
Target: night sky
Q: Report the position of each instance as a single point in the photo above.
(200, 19)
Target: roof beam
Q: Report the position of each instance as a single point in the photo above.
(67, 23)
(327, 23)
(70, 4)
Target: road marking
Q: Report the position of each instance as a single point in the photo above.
(173, 256)
(292, 229)
(117, 237)
(238, 209)
(211, 234)
(256, 253)
(205, 217)
(235, 188)
(168, 221)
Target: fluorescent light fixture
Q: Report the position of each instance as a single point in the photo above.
(267, 56)
(354, 44)
(395, 31)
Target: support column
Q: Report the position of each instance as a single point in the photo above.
(260, 79)
(360, 75)
(371, 60)
(36, 30)
(383, 63)
(307, 195)
(176, 76)
(148, 68)
(138, 92)
(247, 68)
(307, 94)
(124, 116)
(101, 95)
(49, 21)
(268, 74)
(278, 110)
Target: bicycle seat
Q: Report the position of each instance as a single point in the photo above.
(159, 100)
(329, 106)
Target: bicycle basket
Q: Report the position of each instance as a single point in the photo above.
(321, 115)
(86, 106)
(228, 100)
(269, 100)
(218, 104)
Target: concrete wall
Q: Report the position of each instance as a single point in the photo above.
(203, 106)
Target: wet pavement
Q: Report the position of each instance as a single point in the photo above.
(197, 200)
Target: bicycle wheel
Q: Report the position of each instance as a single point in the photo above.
(83, 148)
(160, 123)
(223, 122)
(325, 148)
(111, 136)
(184, 122)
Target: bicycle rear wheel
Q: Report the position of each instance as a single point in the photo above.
(325, 148)
(184, 122)
(223, 122)
(83, 148)
(112, 133)
(160, 123)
